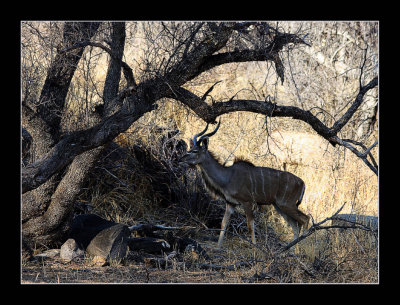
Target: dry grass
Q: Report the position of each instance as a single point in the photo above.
(327, 256)
(334, 258)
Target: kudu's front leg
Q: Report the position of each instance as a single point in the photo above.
(225, 221)
(248, 210)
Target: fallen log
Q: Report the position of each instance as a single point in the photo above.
(184, 243)
(149, 229)
(370, 222)
(150, 238)
(149, 244)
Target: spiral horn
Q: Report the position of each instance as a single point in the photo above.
(199, 134)
(210, 133)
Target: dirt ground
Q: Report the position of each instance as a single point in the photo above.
(237, 262)
(143, 268)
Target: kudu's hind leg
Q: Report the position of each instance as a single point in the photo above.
(287, 215)
(225, 221)
(300, 219)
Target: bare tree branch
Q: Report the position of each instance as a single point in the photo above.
(197, 60)
(209, 113)
(318, 226)
(51, 102)
(310, 230)
(352, 109)
(362, 156)
(367, 151)
(77, 142)
(127, 70)
(209, 90)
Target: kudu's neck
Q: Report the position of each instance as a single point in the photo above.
(215, 173)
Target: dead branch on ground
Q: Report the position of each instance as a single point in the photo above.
(318, 226)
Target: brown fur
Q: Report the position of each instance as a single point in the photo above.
(237, 160)
(210, 188)
(243, 161)
(281, 191)
(216, 158)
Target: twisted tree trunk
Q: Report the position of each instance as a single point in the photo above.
(46, 210)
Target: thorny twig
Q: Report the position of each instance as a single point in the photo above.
(317, 226)
(367, 151)
(362, 156)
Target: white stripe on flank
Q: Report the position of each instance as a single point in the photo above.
(286, 186)
(251, 186)
(262, 175)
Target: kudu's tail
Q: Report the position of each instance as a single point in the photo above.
(301, 195)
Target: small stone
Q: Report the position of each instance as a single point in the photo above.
(98, 261)
(48, 254)
(70, 250)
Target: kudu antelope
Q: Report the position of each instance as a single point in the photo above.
(245, 184)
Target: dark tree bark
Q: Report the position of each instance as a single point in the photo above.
(47, 223)
(43, 122)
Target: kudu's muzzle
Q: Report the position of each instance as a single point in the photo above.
(183, 158)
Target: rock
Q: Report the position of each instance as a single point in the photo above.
(70, 250)
(110, 243)
(99, 261)
(99, 237)
(85, 227)
(48, 254)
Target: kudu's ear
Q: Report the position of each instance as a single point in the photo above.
(205, 142)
